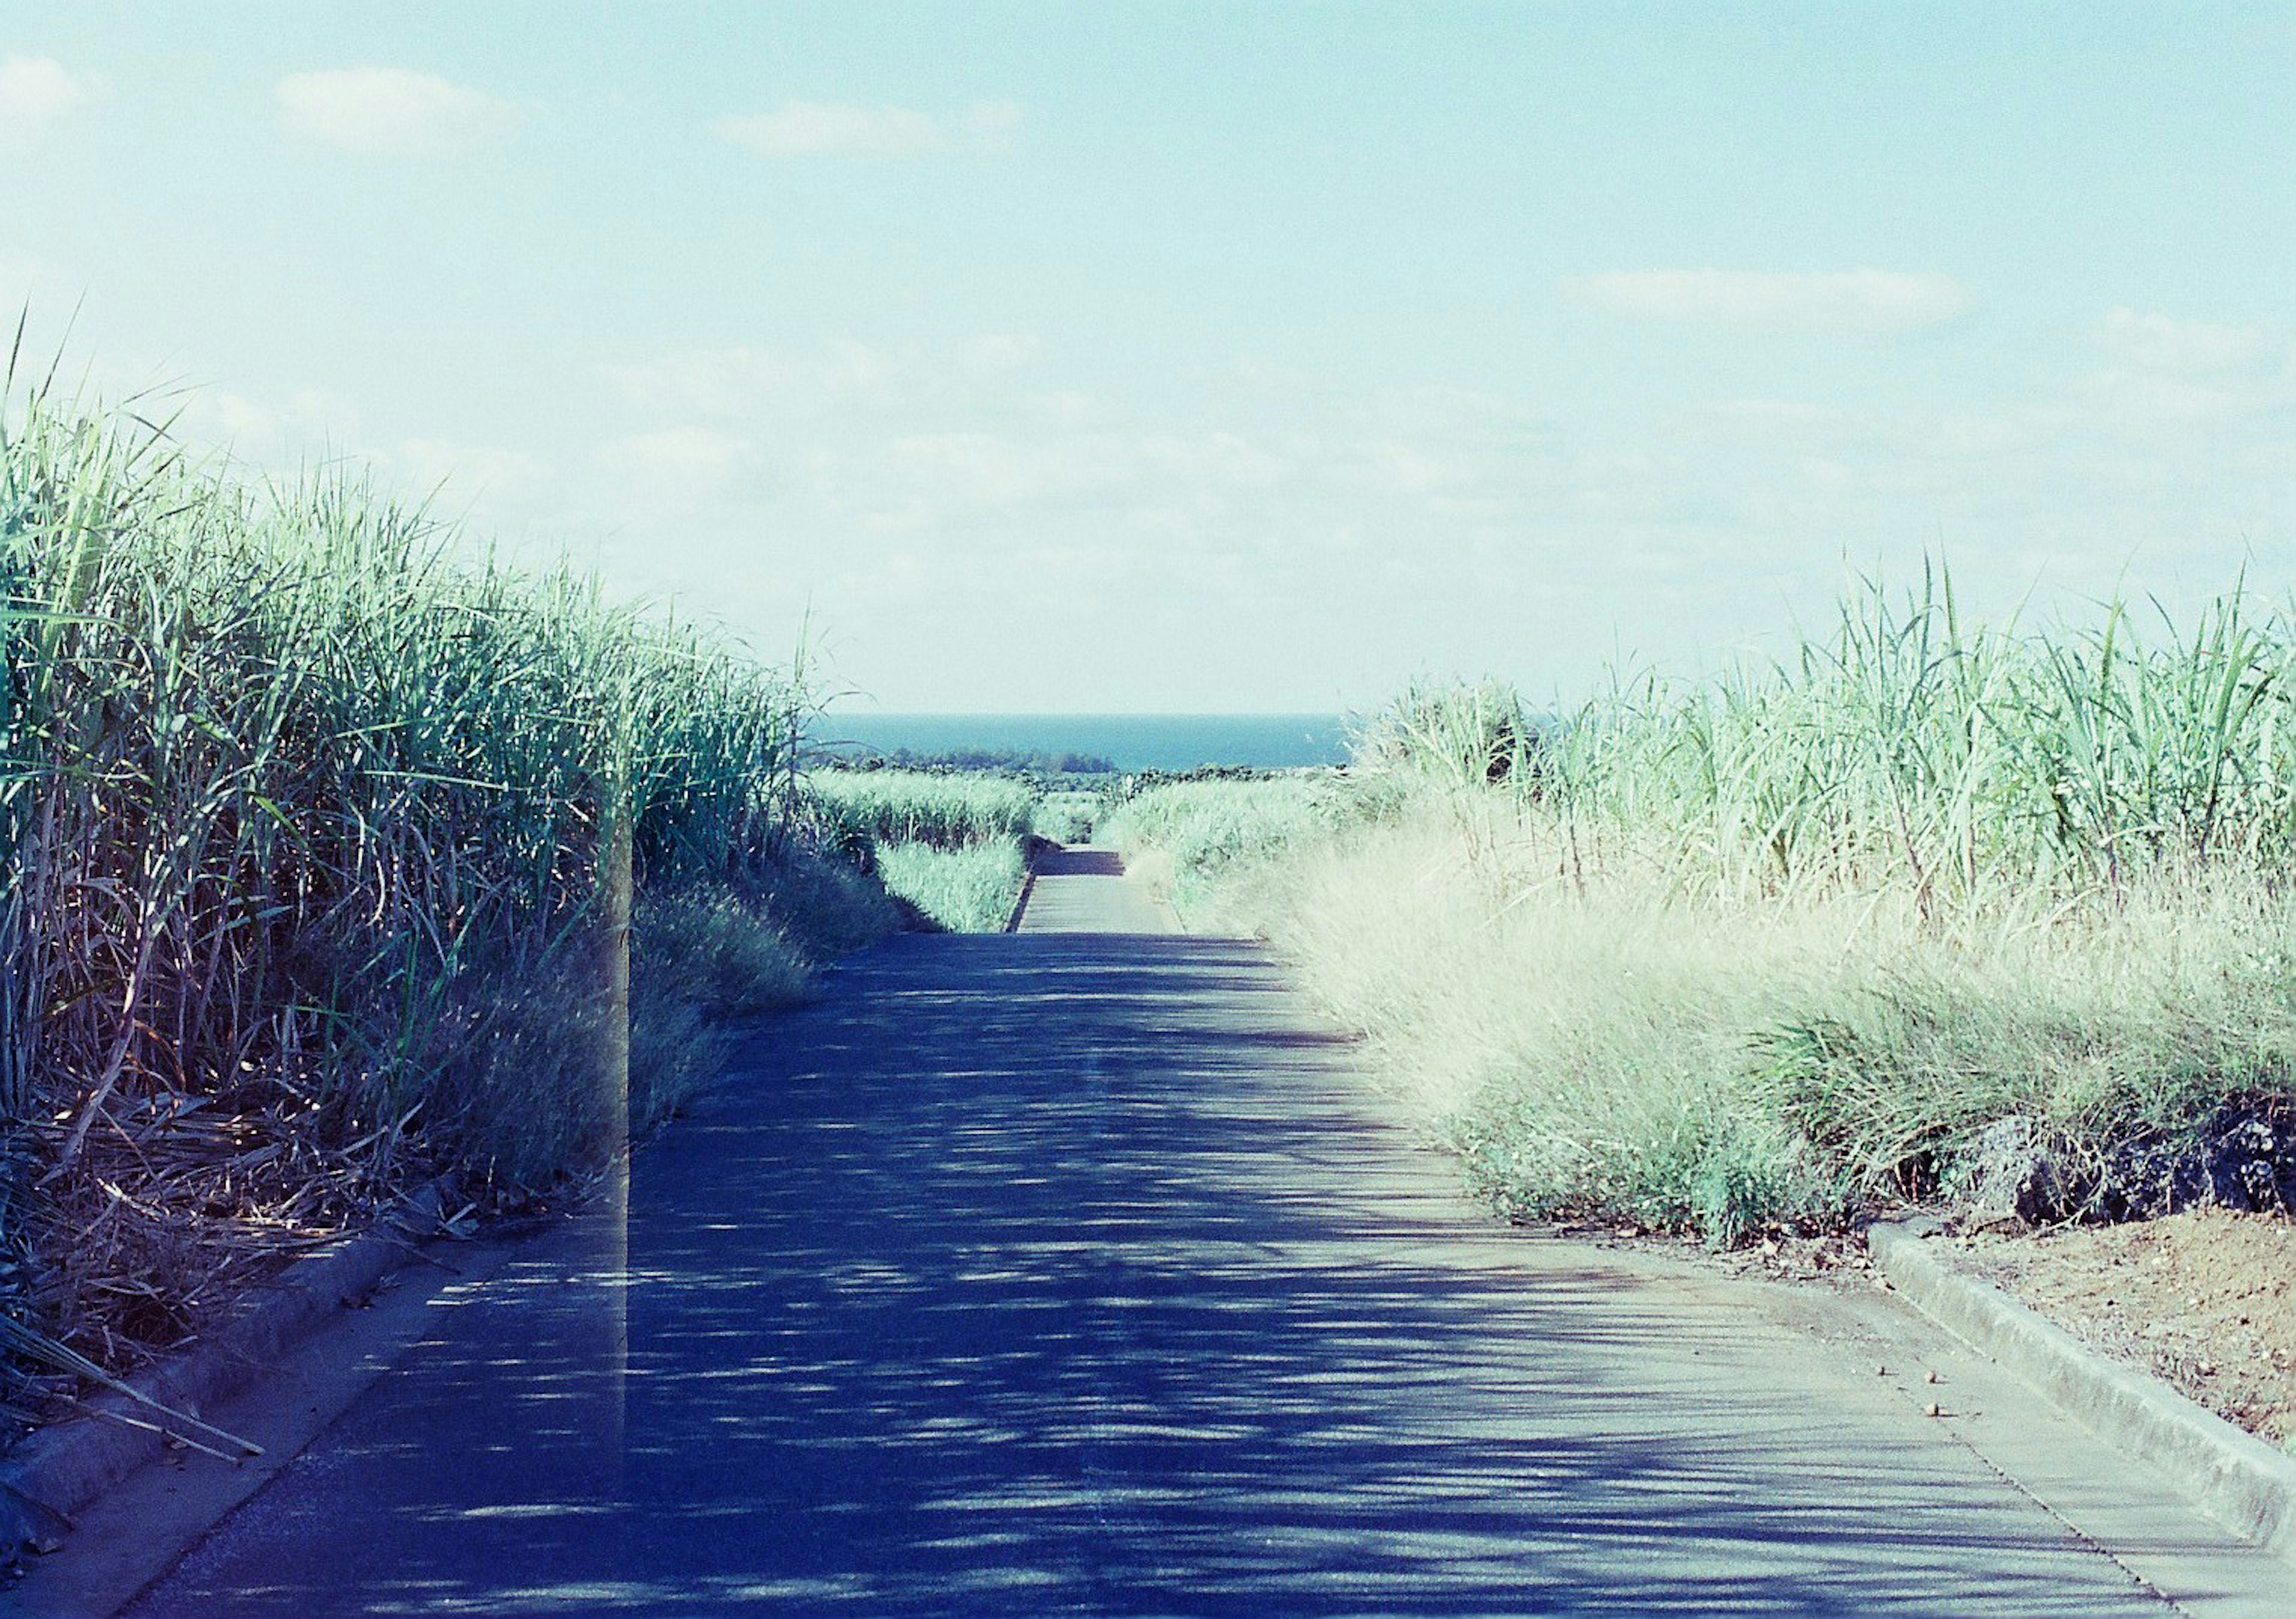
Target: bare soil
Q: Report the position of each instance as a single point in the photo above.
(2204, 1299)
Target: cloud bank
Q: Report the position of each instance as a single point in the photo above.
(34, 93)
(1826, 301)
(390, 112)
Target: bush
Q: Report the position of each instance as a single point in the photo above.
(969, 889)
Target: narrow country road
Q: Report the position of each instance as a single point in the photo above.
(1073, 1273)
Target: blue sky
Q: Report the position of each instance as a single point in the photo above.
(1212, 357)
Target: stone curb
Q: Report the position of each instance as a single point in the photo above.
(2233, 1476)
(58, 1470)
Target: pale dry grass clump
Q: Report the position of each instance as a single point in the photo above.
(1607, 1045)
(1201, 842)
(1786, 943)
(1581, 1054)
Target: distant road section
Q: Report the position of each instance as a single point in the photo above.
(1078, 1272)
(1086, 890)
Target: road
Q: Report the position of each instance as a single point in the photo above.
(1078, 1271)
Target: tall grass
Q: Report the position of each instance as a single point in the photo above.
(972, 889)
(1968, 764)
(952, 844)
(1781, 944)
(1196, 839)
(857, 809)
(287, 781)
(1067, 815)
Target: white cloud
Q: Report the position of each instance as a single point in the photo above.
(464, 472)
(688, 462)
(731, 381)
(715, 381)
(390, 112)
(2157, 342)
(35, 92)
(804, 129)
(1836, 301)
(306, 425)
(992, 352)
(815, 129)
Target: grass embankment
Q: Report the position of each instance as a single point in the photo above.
(1212, 842)
(1772, 950)
(952, 844)
(301, 831)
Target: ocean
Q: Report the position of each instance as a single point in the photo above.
(1131, 741)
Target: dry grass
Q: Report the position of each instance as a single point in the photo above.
(1724, 1065)
(1774, 949)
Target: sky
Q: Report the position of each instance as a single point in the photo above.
(1219, 357)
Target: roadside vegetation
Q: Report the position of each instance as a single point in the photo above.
(952, 844)
(860, 809)
(309, 819)
(1067, 815)
(1205, 839)
(1922, 911)
(971, 889)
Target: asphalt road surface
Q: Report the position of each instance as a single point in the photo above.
(1075, 1271)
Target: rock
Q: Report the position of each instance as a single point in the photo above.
(28, 1526)
(2243, 1157)
(2246, 1167)
(2007, 1176)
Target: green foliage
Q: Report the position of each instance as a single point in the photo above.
(1473, 735)
(857, 809)
(301, 823)
(970, 889)
(1067, 817)
(1912, 748)
(1208, 831)
(1781, 945)
(1035, 763)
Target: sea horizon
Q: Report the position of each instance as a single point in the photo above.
(1129, 741)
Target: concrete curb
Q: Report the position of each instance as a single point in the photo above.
(2233, 1477)
(61, 1469)
(1021, 906)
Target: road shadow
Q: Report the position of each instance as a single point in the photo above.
(1057, 861)
(1074, 1275)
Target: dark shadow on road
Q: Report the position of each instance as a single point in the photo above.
(1057, 861)
(1072, 1275)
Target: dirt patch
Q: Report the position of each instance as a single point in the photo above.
(2205, 1300)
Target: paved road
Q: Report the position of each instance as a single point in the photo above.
(1075, 1273)
(1085, 890)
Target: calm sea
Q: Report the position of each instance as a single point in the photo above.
(1132, 741)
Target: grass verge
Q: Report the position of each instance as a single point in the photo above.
(1922, 914)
